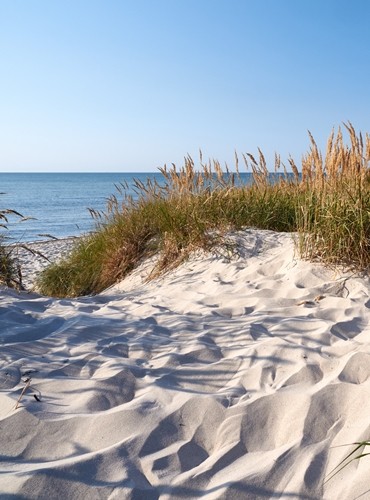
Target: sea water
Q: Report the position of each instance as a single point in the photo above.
(57, 204)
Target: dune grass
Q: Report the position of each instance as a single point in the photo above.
(8, 268)
(327, 204)
(334, 219)
(356, 454)
(10, 273)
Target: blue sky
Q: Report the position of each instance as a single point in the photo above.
(118, 85)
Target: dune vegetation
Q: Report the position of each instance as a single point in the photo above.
(10, 272)
(325, 201)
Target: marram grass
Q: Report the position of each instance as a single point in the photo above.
(334, 218)
(10, 272)
(326, 202)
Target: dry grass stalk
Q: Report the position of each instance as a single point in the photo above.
(28, 383)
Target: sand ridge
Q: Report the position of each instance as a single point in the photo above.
(229, 377)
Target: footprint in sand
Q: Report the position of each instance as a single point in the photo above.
(9, 377)
(309, 375)
(357, 369)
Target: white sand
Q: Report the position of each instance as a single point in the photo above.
(36, 256)
(224, 379)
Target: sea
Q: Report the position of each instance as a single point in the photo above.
(57, 204)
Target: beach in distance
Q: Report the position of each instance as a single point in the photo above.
(239, 375)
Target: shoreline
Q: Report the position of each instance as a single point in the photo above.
(224, 378)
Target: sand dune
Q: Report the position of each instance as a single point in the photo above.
(232, 377)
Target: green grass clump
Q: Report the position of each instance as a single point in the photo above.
(8, 268)
(328, 205)
(10, 274)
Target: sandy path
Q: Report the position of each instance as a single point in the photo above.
(224, 379)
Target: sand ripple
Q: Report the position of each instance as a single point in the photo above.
(224, 379)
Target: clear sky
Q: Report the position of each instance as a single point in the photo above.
(128, 85)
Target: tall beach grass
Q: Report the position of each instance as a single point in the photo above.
(334, 218)
(326, 202)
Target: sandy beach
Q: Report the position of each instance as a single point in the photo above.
(236, 376)
(36, 256)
